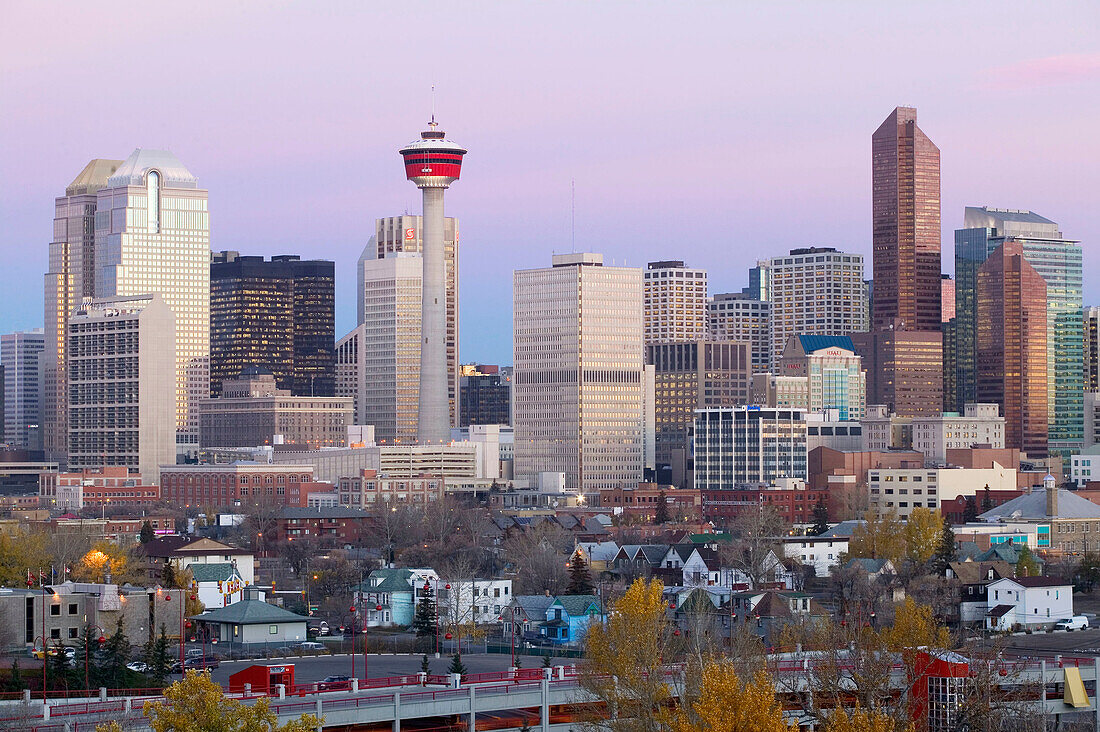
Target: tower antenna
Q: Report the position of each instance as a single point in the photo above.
(433, 105)
(573, 214)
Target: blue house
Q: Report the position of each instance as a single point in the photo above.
(568, 618)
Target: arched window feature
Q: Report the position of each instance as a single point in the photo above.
(152, 188)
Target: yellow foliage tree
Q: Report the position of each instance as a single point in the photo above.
(923, 534)
(624, 656)
(878, 538)
(197, 704)
(104, 557)
(915, 626)
(21, 551)
(725, 704)
(861, 720)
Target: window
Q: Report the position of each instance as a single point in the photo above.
(55, 633)
(55, 610)
(273, 629)
(72, 632)
(72, 608)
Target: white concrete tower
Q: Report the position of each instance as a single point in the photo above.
(433, 163)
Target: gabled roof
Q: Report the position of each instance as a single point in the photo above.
(683, 551)
(721, 536)
(164, 546)
(213, 572)
(871, 566)
(843, 530)
(390, 580)
(533, 606)
(250, 612)
(599, 551)
(972, 573)
(1038, 581)
(576, 605)
(1000, 611)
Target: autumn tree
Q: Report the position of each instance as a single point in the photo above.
(879, 537)
(623, 655)
(539, 556)
(197, 704)
(580, 580)
(752, 551)
(1026, 566)
(726, 704)
(862, 720)
(923, 534)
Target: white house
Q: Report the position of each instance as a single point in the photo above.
(219, 585)
(473, 601)
(820, 552)
(1027, 602)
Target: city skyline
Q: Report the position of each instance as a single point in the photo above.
(799, 179)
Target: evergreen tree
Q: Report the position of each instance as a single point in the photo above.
(580, 581)
(168, 575)
(987, 500)
(15, 677)
(1026, 566)
(425, 622)
(157, 657)
(424, 665)
(821, 518)
(113, 657)
(546, 662)
(970, 511)
(661, 515)
(946, 552)
(147, 534)
(456, 666)
(90, 651)
(58, 669)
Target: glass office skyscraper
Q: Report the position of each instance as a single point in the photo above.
(1058, 261)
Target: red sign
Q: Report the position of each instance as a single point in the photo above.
(410, 234)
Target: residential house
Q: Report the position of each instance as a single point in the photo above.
(568, 618)
(254, 623)
(525, 614)
(477, 601)
(766, 613)
(219, 585)
(974, 579)
(820, 552)
(600, 555)
(1027, 602)
(183, 551)
(398, 591)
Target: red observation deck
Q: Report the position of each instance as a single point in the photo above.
(433, 161)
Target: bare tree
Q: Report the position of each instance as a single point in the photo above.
(755, 544)
(538, 557)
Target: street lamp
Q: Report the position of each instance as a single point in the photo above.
(101, 639)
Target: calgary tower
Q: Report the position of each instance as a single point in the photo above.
(433, 163)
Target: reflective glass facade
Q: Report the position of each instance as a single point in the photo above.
(748, 445)
(1059, 262)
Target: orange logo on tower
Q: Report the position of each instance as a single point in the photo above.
(410, 233)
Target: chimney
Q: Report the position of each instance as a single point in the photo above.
(1052, 495)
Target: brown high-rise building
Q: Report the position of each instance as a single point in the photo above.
(903, 353)
(905, 168)
(904, 370)
(1012, 345)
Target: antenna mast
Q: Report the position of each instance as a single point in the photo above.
(573, 214)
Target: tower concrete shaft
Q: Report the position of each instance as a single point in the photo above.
(433, 413)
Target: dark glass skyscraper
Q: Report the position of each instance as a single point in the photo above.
(277, 314)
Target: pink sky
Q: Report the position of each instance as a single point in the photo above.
(714, 132)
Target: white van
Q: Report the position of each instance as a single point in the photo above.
(1077, 622)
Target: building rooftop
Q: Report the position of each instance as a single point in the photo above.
(250, 612)
(93, 177)
(1034, 506)
(132, 170)
(812, 343)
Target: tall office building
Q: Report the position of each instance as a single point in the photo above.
(690, 376)
(21, 354)
(351, 375)
(485, 395)
(152, 235)
(1091, 334)
(1012, 345)
(905, 168)
(675, 303)
(947, 320)
(947, 298)
(1059, 261)
(71, 278)
(903, 353)
(816, 373)
(394, 234)
(748, 445)
(432, 164)
(759, 282)
(579, 390)
(737, 316)
(390, 345)
(122, 377)
(815, 291)
(279, 315)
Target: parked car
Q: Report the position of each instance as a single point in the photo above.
(1077, 622)
(194, 653)
(334, 682)
(308, 647)
(200, 663)
(138, 666)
